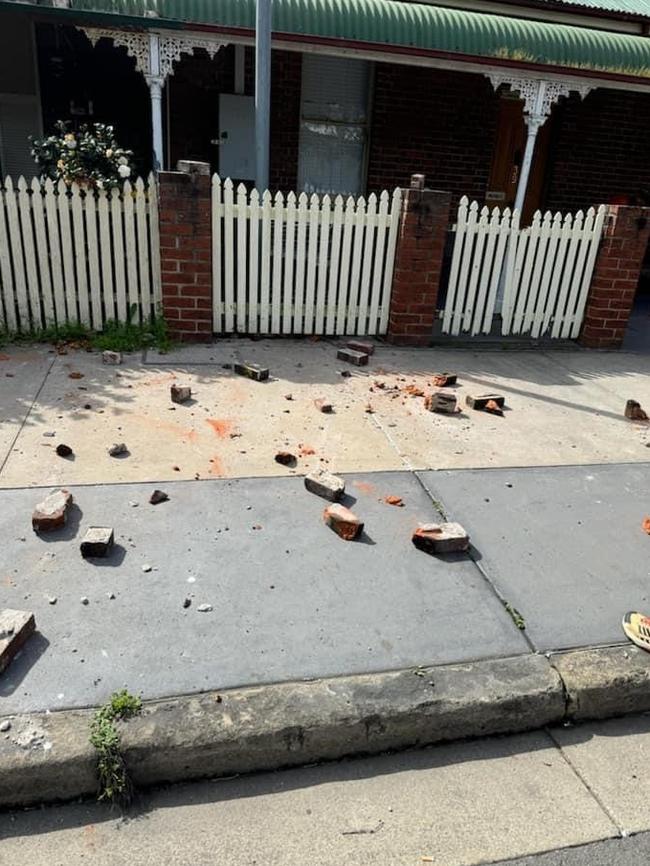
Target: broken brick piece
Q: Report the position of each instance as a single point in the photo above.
(634, 412)
(97, 541)
(362, 346)
(444, 380)
(158, 496)
(180, 393)
(441, 401)
(645, 526)
(346, 524)
(326, 485)
(63, 450)
(16, 626)
(359, 359)
(394, 500)
(285, 458)
(441, 538)
(118, 449)
(493, 408)
(323, 405)
(52, 512)
(480, 403)
(113, 358)
(252, 371)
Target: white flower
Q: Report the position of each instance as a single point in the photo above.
(109, 153)
(123, 160)
(124, 170)
(70, 141)
(100, 184)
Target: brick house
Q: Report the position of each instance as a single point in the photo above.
(534, 103)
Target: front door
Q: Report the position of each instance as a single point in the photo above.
(508, 155)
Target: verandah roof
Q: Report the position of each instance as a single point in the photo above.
(388, 23)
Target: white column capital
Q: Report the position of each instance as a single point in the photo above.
(539, 95)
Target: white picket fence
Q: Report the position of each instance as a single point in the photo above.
(69, 255)
(538, 277)
(302, 265)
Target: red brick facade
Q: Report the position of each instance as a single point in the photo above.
(418, 263)
(439, 123)
(616, 276)
(186, 254)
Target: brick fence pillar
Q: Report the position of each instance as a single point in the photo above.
(616, 275)
(186, 251)
(418, 262)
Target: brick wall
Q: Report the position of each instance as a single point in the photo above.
(186, 254)
(600, 149)
(439, 123)
(286, 77)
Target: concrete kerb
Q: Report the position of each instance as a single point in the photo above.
(48, 757)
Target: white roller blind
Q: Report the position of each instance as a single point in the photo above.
(333, 133)
(19, 118)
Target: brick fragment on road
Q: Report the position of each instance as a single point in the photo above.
(97, 541)
(252, 371)
(16, 626)
(634, 412)
(180, 393)
(52, 512)
(63, 450)
(158, 496)
(360, 359)
(441, 538)
(285, 458)
(325, 484)
(493, 408)
(394, 500)
(118, 449)
(480, 402)
(444, 380)
(112, 358)
(362, 346)
(441, 401)
(323, 405)
(346, 524)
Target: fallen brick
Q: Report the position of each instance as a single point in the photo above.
(75, 375)
(113, 358)
(180, 393)
(359, 359)
(118, 449)
(441, 401)
(97, 541)
(326, 485)
(413, 390)
(346, 524)
(394, 500)
(480, 403)
(493, 408)
(63, 450)
(252, 371)
(441, 538)
(444, 380)
(16, 626)
(285, 458)
(158, 496)
(645, 525)
(52, 512)
(323, 405)
(362, 346)
(634, 412)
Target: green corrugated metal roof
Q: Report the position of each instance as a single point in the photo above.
(634, 8)
(413, 25)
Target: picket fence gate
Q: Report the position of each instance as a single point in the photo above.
(537, 278)
(71, 255)
(302, 265)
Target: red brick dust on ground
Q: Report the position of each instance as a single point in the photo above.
(306, 451)
(220, 426)
(365, 487)
(216, 467)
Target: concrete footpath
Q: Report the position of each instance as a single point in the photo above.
(314, 648)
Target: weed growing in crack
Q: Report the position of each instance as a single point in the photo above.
(114, 783)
